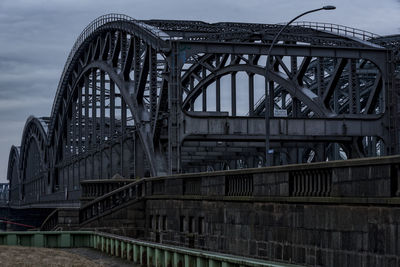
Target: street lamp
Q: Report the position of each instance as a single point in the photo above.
(267, 95)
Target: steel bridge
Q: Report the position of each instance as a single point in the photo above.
(147, 98)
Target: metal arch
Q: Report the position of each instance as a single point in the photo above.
(12, 159)
(132, 104)
(130, 27)
(13, 163)
(95, 28)
(288, 85)
(33, 128)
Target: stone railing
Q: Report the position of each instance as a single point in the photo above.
(130, 192)
(310, 183)
(361, 178)
(239, 185)
(92, 189)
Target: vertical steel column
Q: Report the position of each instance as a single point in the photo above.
(123, 133)
(218, 87)
(271, 89)
(102, 105)
(204, 90)
(102, 120)
(94, 119)
(68, 138)
(296, 105)
(233, 93)
(320, 76)
(94, 108)
(68, 152)
(354, 92)
(122, 49)
(73, 128)
(112, 122)
(191, 89)
(251, 94)
(153, 84)
(112, 109)
(87, 115)
(87, 119)
(80, 120)
(137, 59)
(174, 111)
(73, 135)
(218, 94)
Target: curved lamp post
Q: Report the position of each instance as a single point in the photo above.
(267, 95)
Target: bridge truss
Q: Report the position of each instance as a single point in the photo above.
(147, 98)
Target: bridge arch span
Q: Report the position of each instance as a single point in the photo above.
(13, 175)
(124, 102)
(33, 162)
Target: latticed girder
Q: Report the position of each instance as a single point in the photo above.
(145, 98)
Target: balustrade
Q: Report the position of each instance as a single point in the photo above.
(310, 182)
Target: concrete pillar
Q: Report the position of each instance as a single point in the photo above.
(150, 256)
(201, 262)
(177, 258)
(167, 258)
(190, 261)
(159, 257)
(65, 241)
(136, 254)
(129, 250)
(143, 255)
(38, 240)
(116, 248)
(213, 263)
(123, 250)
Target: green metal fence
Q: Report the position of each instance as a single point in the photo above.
(140, 252)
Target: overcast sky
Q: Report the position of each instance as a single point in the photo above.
(36, 36)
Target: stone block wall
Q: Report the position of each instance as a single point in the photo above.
(344, 213)
(309, 233)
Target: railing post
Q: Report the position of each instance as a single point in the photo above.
(143, 255)
(129, 252)
(136, 253)
(168, 258)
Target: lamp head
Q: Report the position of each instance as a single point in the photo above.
(328, 7)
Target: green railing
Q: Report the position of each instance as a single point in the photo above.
(140, 252)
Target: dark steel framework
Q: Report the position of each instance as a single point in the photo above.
(155, 97)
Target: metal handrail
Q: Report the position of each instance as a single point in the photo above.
(338, 29)
(94, 203)
(47, 223)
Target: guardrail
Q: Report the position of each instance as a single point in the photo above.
(338, 29)
(140, 252)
